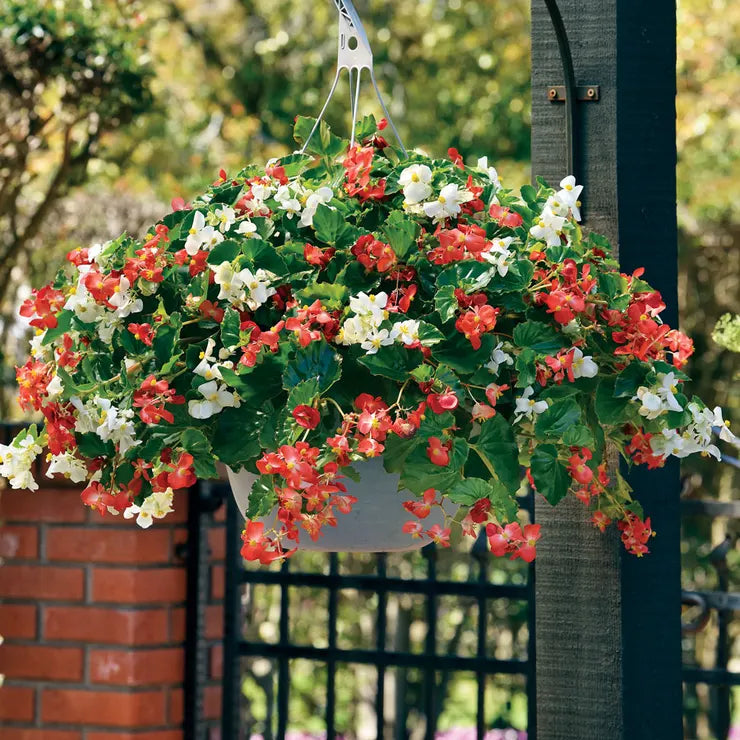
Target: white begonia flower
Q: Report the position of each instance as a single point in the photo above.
(230, 282)
(225, 218)
(375, 340)
(115, 424)
(247, 227)
(498, 358)
(406, 332)
(68, 465)
(584, 365)
(571, 328)
(215, 398)
(82, 303)
(652, 405)
(313, 201)
(499, 255)
(207, 368)
(124, 301)
(448, 203)
(54, 388)
(287, 201)
(669, 386)
(16, 461)
(106, 327)
(569, 194)
(201, 235)
(415, 181)
(258, 285)
(548, 227)
(261, 191)
(527, 407)
(491, 172)
(725, 434)
(155, 506)
(372, 306)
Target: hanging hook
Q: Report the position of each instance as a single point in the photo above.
(354, 55)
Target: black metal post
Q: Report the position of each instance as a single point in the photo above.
(230, 697)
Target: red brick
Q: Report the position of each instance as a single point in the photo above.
(136, 586)
(103, 708)
(217, 543)
(176, 712)
(137, 668)
(155, 735)
(19, 542)
(217, 581)
(18, 621)
(214, 622)
(41, 662)
(44, 505)
(20, 733)
(41, 582)
(107, 626)
(177, 624)
(217, 661)
(16, 703)
(212, 702)
(108, 545)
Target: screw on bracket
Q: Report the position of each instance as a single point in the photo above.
(584, 93)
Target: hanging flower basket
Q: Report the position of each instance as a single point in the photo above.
(301, 321)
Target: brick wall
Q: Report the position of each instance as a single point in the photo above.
(93, 614)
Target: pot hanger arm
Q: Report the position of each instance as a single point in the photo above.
(354, 54)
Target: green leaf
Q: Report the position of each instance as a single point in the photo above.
(550, 476)
(557, 417)
(579, 436)
(516, 279)
(497, 443)
(467, 492)
(429, 334)
(236, 435)
(526, 368)
(90, 445)
(462, 273)
(262, 498)
(445, 302)
(423, 373)
(419, 473)
(303, 394)
(225, 251)
(195, 442)
(166, 338)
(630, 379)
(322, 142)
(259, 253)
(458, 353)
(394, 362)
(64, 324)
(609, 409)
(318, 361)
(332, 295)
(397, 449)
(329, 224)
(401, 233)
(542, 338)
(529, 196)
(230, 328)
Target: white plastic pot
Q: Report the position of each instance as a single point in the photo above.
(373, 525)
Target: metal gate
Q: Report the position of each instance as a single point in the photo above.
(410, 682)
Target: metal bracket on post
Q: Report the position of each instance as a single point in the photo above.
(584, 93)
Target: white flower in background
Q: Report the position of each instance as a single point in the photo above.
(261, 191)
(549, 227)
(498, 358)
(571, 329)
(287, 201)
(375, 340)
(230, 282)
(353, 331)
(247, 227)
(527, 407)
(106, 326)
(155, 506)
(215, 398)
(448, 202)
(225, 218)
(491, 172)
(725, 434)
(54, 388)
(16, 460)
(584, 365)
(67, 465)
(406, 331)
(415, 181)
(123, 299)
(569, 194)
(207, 367)
(201, 235)
(499, 255)
(652, 406)
(312, 202)
(258, 285)
(82, 303)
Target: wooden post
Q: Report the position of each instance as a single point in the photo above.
(608, 624)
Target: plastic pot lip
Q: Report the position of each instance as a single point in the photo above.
(373, 525)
